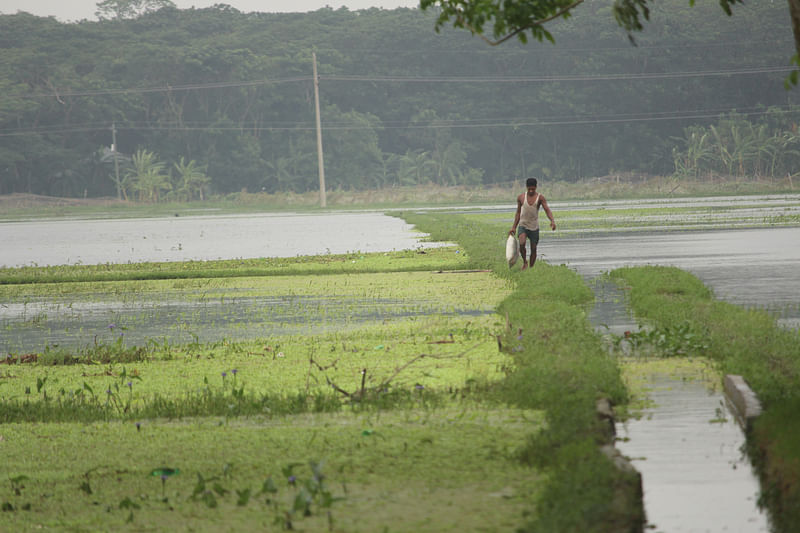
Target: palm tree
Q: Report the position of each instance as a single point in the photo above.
(765, 147)
(722, 151)
(415, 167)
(789, 151)
(698, 149)
(744, 145)
(280, 172)
(448, 164)
(147, 176)
(191, 179)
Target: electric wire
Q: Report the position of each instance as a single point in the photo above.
(414, 79)
(443, 124)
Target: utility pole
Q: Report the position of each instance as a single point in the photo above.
(320, 159)
(116, 162)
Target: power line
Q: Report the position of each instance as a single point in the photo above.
(440, 124)
(558, 49)
(166, 89)
(420, 79)
(565, 78)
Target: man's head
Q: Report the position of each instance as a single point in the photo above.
(530, 184)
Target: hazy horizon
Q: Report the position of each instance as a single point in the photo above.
(84, 9)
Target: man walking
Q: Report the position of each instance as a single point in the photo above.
(527, 218)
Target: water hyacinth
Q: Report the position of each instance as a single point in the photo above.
(164, 473)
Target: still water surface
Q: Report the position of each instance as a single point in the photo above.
(687, 446)
(69, 241)
(688, 450)
(750, 267)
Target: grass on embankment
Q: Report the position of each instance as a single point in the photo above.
(740, 341)
(431, 259)
(561, 367)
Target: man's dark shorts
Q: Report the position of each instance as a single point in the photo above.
(533, 234)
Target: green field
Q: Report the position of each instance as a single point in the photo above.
(471, 409)
(391, 409)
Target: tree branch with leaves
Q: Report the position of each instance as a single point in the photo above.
(128, 9)
(518, 18)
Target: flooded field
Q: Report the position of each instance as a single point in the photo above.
(749, 267)
(72, 241)
(745, 248)
(180, 318)
(686, 426)
(595, 216)
(752, 266)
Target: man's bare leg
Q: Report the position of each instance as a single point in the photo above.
(533, 255)
(523, 250)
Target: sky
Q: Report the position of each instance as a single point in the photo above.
(72, 10)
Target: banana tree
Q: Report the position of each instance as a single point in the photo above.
(698, 151)
(192, 179)
(415, 167)
(146, 176)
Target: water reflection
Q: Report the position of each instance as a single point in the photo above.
(749, 267)
(182, 318)
(61, 242)
(688, 450)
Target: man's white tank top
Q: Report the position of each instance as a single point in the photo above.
(529, 215)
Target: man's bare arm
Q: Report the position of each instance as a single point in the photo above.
(549, 213)
(516, 216)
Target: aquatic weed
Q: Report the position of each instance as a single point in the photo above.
(679, 340)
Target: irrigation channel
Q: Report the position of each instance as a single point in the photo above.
(695, 476)
(687, 445)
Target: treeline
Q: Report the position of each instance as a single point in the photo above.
(231, 95)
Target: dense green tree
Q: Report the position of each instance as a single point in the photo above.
(351, 146)
(518, 18)
(123, 9)
(401, 104)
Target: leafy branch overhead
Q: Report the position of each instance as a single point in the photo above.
(517, 18)
(127, 9)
